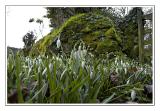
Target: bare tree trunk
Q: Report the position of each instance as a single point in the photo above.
(140, 35)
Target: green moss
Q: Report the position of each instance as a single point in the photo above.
(95, 30)
(110, 33)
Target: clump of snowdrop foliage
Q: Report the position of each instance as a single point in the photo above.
(79, 78)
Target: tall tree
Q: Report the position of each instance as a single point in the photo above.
(140, 34)
(59, 15)
(29, 39)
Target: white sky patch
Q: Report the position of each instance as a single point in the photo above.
(17, 23)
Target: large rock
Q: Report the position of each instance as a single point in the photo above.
(94, 30)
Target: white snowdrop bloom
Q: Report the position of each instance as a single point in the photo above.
(84, 52)
(79, 48)
(39, 57)
(91, 74)
(30, 63)
(77, 55)
(127, 64)
(58, 43)
(39, 69)
(83, 63)
(51, 67)
(24, 66)
(116, 60)
(124, 65)
(27, 59)
(145, 72)
(128, 82)
(133, 95)
(125, 70)
(74, 55)
(121, 62)
(37, 62)
(80, 54)
(117, 64)
(40, 61)
(44, 71)
(53, 57)
(141, 69)
(33, 61)
(84, 47)
(116, 70)
(29, 71)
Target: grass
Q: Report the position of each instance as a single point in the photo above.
(80, 78)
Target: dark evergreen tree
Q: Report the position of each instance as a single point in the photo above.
(29, 40)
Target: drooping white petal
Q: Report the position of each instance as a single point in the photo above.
(128, 82)
(125, 70)
(83, 63)
(44, 71)
(58, 43)
(51, 67)
(133, 95)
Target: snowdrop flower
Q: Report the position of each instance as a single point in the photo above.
(125, 70)
(91, 74)
(133, 95)
(44, 71)
(40, 61)
(76, 55)
(27, 59)
(83, 63)
(80, 54)
(24, 66)
(51, 67)
(124, 65)
(127, 64)
(145, 71)
(116, 61)
(29, 63)
(140, 69)
(58, 43)
(121, 62)
(116, 70)
(128, 82)
(37, 62)
(39, 69)
(29, 71)
(91, 54)
(79, 48)
(84, 52)
(39, 57)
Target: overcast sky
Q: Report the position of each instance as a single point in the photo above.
(17, 23)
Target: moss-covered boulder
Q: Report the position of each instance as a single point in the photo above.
(94, 30)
